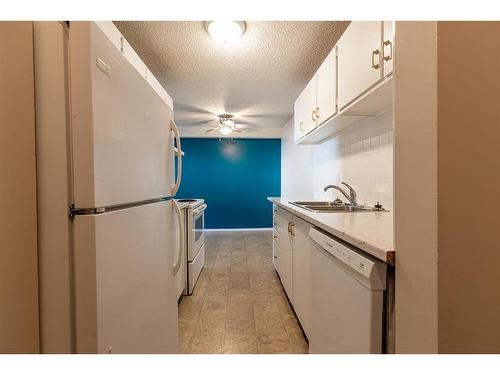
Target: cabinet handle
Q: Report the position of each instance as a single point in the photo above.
(317, 112)
(387, 57)
(275, 257)
(375, 52)
(300, 126)
(313, 115)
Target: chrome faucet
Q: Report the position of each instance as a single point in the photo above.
(351, 196)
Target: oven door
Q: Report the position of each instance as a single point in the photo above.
(198, 234)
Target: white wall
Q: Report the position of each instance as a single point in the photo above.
(362, 156)
(296, 165)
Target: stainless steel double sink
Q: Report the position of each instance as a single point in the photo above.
(335, 207)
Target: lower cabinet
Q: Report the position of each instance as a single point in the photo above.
(292, 253)
(301, 271)
(282, 249)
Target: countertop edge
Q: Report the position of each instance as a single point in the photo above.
(388, 256)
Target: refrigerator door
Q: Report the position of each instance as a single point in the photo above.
(122, 130)
(125, 298)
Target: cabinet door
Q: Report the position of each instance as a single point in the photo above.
(388, 47)
(298, 117)
(302, 273)
(359, 60)
(282, 249)
(327, 88)
(309, 106)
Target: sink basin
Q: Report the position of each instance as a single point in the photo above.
(316, 204)
(331, 207)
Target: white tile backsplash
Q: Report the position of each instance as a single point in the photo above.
(362, 156)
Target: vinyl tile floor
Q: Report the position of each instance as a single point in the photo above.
(238, 304)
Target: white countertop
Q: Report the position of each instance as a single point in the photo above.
(371, 232)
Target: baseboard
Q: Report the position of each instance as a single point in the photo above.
(239, 230)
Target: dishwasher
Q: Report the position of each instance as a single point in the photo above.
(347, 298)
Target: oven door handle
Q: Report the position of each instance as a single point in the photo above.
(177, 263)
(200, 209)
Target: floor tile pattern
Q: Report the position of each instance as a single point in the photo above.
(238, 304)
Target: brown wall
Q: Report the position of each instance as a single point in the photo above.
(18, 231)
(415, 187)
(50, 42)
(469, 179)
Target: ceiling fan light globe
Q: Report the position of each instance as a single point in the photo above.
(226, 130)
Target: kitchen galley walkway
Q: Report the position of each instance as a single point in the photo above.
(238, 304)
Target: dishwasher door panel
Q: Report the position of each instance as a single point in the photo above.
(346, 317)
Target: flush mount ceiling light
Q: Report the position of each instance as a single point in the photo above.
(225, 32)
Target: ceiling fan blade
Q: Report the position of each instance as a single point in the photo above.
(270, 116)
(209, 130)
(237, 130)
(199, 122)
(246, 122)
(179, 107)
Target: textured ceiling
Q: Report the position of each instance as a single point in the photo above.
(257, 78)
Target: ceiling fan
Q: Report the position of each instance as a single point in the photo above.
(226, 124)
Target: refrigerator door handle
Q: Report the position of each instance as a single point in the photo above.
(177, 184)
(178, 256)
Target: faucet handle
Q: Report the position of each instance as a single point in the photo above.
(348, 186)
(352, 192)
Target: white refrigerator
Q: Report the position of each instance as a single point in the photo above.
(124, 228)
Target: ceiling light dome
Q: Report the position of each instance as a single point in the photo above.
(225, 32)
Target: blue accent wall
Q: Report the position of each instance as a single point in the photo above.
(235, 177)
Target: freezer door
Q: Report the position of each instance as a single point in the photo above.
(121, 128)
(125, 298)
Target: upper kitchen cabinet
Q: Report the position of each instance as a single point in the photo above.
(326, 92)
(307, 102)
(359, 60)
(387, 51)
(318, 101)
(353, 83)
(298, 118)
